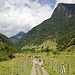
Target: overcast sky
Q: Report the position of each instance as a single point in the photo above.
(22, 15)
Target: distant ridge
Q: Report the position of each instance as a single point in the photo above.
(17, 36)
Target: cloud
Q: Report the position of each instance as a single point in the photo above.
(17, 15)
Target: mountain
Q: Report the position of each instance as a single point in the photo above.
(60, 25)
(5, 39)
(17, 36)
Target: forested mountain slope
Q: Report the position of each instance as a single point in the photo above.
(61, 24)
(5, 39)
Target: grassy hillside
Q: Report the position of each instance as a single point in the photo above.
(44, 45)
(61, 24)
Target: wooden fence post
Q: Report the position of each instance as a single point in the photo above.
(68, 69)
(53, 66)
(56, 66)
(50, 64)
(24, 65)
(18, 68)
(12, 70)
(60, 68)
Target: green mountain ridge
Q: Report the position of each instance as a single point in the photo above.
(17, 36)
(5, 39)
(61, 24)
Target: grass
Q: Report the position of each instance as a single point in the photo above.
(46, 44)
(63, 59)
(36, 66)
(51, 72)
(6, 66)
(41, 71)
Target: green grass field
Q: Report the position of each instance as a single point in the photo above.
(63, 58)
(46, 44)
(6, 66)
(57, 62)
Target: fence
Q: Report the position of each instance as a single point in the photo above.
(24, 66)
(18, 69)
(61, 68)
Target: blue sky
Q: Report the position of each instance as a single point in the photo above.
(50, 2)
(23, 15)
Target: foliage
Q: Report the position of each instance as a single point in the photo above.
(61, 24)
(65, 42)
(6, 51)
(5, 39)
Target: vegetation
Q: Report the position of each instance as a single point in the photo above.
(5, 39)
(6, 51)
(17, 36)
(6, 66)
(64, 58)
(61, 24)
(6, 48)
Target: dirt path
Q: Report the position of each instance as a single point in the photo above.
(33, 70)
(44, 71)
(38, 71)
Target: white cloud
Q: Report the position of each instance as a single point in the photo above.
(22, 15)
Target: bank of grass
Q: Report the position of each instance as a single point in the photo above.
(50, 71)
(6, 66)
(63, 58)
(36, 66)
(41, 71)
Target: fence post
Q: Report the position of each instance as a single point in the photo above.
(60, 68)
(12, 70)
(18, 68)
(56, 66)
(53, 66)
(50, 64)
(68, 69)
(24, 65)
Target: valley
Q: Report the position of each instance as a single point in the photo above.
(47, 49)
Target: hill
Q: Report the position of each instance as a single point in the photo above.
(17, 36)
(6, 48)
(61, 24)
(5, 39)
